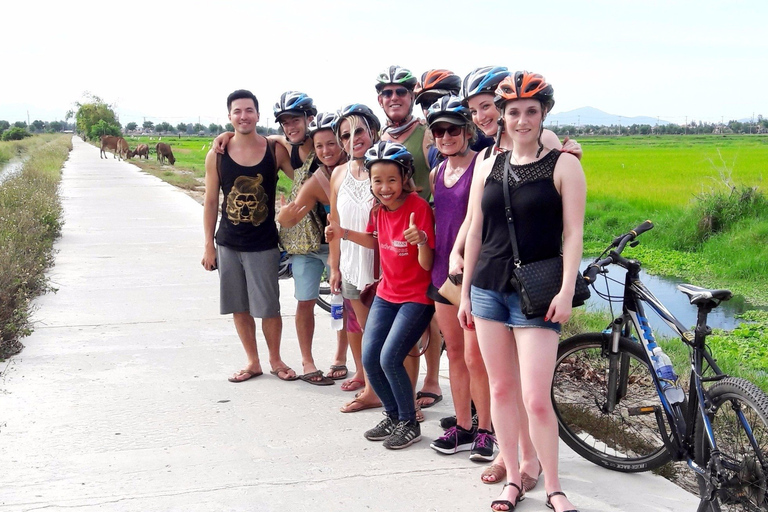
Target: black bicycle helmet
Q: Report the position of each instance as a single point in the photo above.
(322, 121)
(387, 151)
(360, 110)
(450, 109)
(483, 80)
(294, 102)
(396, 75)
(436, 83)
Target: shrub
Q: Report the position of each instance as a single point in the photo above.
(16, 133)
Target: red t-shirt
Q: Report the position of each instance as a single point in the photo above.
(403, 279)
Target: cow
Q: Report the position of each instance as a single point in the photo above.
(122, 148)
(163, 152)
(141, 150)
(117, 145)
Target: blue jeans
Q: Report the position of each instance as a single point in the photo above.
(391, 331)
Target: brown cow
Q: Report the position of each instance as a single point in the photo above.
(141, 150)
(122, 148)
(117, 145)
(163, 152)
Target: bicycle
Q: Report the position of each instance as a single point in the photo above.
(615, 411)
(285, 271)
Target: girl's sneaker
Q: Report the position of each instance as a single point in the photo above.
(483, 448)
(405, 434)
(381, 431)
(454, 440)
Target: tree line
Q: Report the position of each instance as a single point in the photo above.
(692, 128)
(20, 130)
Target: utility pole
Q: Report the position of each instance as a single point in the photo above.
(685, 128)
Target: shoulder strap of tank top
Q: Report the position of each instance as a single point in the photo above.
(322, 179)
(271, 147)
(219, 156)
(488, 151)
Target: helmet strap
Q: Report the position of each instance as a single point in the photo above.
(499, 133)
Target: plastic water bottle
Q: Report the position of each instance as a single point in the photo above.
(337, 312)
(666, 372)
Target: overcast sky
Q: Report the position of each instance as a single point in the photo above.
(177, 61)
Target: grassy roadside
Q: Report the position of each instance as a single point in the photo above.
(30, 221)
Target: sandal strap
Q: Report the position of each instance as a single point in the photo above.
(557, 493)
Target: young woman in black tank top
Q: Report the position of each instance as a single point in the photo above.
(548, 195)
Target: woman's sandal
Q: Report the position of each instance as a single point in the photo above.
(528, 481)
(510, 506)
(498, 471)
(558, 493)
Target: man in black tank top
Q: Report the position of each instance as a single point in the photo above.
(245, 248)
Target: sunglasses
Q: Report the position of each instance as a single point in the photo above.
(456, 278)
(346, 136)
(400, 91)
(453, 131)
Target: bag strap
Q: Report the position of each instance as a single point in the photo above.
(376, 256)
(508, 209)
(322, 180)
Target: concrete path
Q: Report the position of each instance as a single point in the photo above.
(120, 400)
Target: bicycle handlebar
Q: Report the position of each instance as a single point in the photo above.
(615, 256)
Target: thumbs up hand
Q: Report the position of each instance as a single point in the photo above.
(414, 235)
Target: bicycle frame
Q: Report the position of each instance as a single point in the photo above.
(680, 418)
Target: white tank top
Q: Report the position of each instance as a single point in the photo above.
(354, 203)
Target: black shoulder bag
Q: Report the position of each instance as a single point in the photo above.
(538, 282)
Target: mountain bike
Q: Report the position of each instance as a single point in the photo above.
(617, 412)
(285, 271)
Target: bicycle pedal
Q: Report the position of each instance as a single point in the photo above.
(640, 411)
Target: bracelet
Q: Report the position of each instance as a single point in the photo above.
(346, 235)
(425, 239)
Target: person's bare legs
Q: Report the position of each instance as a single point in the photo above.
(499, 350)
(432, 357)
(447, 320)
(273, 329)
(340, 358)
(367, 395)
(305, 331)
(478, 381)
(537, 352)
(246, 331)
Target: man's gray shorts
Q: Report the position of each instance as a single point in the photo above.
(248, 282)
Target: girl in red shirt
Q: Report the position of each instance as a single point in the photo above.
(403, 229)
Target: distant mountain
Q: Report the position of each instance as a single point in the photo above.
(590, 115)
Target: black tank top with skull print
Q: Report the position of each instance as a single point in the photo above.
(248, 209)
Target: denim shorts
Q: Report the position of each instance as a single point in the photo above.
(505, 308)
(307, 272)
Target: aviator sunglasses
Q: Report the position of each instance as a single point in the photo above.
(400, 91)
(346, 135)
(453, 131)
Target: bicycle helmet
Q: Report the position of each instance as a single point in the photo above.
(322, 121)
(449, 109)
(483, 80)
(436, 83)
(525, 85)
(395, 75)
(360, 110)
(293, 102)
(386, 151)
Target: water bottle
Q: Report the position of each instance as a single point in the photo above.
(337, 312)
(666, 373)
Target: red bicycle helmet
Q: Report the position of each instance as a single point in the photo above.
(524, 85)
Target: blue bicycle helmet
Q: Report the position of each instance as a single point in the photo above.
(360, 110)
(322, 121)
(483, 80)
(386, 151)
(295, 103)
(450, 109)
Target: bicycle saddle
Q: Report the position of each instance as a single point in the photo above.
(698, 295)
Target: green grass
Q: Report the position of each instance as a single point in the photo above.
(30, 221)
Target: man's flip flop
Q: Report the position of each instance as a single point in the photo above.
(285, 370)
(435, 398)
(244, 375)
(338, 368)
(309, 377)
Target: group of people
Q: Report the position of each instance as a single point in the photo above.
(359, 203)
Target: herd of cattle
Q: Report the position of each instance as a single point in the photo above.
(120, 149)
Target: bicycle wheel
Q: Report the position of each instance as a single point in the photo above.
(616, 440)
(323, 300)
(744, 464)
